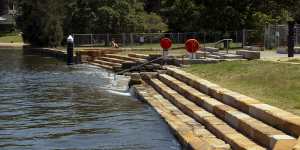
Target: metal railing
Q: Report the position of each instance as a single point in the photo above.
(140, 66)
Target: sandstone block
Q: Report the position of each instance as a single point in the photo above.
(238, 141)
(282, 142)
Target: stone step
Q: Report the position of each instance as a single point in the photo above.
(114, 60)
(192, 134)
(107, 63)
(215, 56)
(249, 54)
(273, 116)
(126, 58)
(141, 56)
(211, 49)
(249, 126)
(215, 125)
(102, 66)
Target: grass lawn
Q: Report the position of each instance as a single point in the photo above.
(294, 60)
(11, 39)
(273, 83)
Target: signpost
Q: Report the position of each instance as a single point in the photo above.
(192, 46)
(166, 44)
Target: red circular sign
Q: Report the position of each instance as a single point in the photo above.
(165, 43)
(192, 45)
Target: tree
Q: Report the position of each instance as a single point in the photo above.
(182, 15)
(154, 23)
(152, 6)
(3, 7)
(40, 22)
(226, 15)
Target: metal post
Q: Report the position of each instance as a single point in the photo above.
(92, 40)
(265, 37)
(123, 39)
(291, 38)
(204, 46)
(244, 38)
(165, 56)
(107, 39)
(131, 39)
(236, 36)
(296, 35)
(70, 50)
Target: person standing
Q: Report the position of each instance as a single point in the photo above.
(142, 40)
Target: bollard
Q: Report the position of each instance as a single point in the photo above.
(70, 49)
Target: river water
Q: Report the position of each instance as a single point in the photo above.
(45, 104)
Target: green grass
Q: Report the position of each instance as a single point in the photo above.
(11, 39)
(273, 83)
(294, 60)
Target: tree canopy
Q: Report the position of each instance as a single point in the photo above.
(224, 15)
(46, 22)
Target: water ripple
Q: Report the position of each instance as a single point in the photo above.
(45, 104)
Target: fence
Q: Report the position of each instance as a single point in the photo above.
(152, 39)
(271, 37)
(276, 36)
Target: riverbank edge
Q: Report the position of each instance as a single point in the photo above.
(184, 138)
(178, 127)
(12, 45)
(50, 52)
(217, 91)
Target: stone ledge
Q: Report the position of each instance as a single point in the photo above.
(215, 125)
(273, 116)
(191, 134)
(249, 54)
(247, 125)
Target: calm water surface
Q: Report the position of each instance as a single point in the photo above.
(45, 104)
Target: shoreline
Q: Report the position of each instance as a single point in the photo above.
(11, 45)
(178, 97)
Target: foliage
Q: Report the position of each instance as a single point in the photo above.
(226, 15)
(40, 22)
(154, 23)
(44, 22)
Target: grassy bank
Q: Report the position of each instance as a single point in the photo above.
(273, 83)
(294, 60)
(11, 39)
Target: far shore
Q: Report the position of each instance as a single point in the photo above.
(11, 45)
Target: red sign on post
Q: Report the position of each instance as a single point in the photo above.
(192, 45)
(165, 43)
